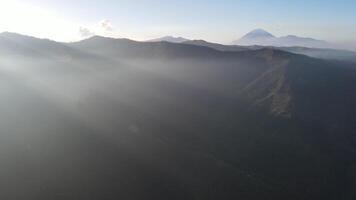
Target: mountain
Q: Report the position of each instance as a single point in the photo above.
(30, 46)
(258, 34)
(256, 37)
(169, 39)
(128, 49)
(329, 54)
(124, 119)
(217, 46)
(292, 40)
(333, 54)
(262, 37)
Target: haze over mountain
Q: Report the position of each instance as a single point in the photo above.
(329, 54)
(169, 39)
(113, 119)
(264, 38)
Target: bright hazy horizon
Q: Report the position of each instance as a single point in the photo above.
(209, 20)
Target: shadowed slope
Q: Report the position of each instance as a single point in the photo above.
(174, 121)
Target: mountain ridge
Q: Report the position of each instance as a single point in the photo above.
(322, 53)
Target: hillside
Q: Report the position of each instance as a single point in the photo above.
(123, 119)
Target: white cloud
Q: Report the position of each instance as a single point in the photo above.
(106, 25)
(103, 27)
(85, 32)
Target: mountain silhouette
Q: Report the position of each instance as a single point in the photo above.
(258, 33)
(264, 38)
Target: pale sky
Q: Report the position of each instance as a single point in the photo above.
(216, 21)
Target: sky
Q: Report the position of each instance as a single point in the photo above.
(215, 21)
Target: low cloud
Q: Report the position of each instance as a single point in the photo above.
(104, 27)
(85, 32)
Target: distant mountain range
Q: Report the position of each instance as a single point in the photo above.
(108, 118)
(259, 39)
(264, 38)
(169, 39)
(323, 53)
